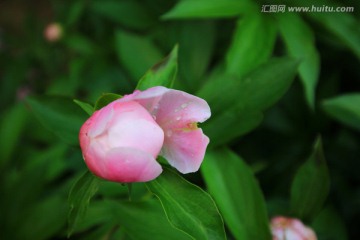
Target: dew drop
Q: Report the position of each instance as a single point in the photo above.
(184, 105)
(178, 118)
(169, 133)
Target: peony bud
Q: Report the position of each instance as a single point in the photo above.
(53, 32)
(121, 141)
(290, 229)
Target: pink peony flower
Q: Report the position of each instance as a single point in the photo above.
(53, 32)
(121, 141)
(290, 229)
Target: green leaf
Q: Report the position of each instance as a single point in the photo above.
(187, 206)
(255, 92)
(76, 10)
(300, 42)
(233, 124)
(208, 9)
(197, 41)
(345, 109)
(143, 219)
(162, 73)
(105, 99)
(330, 225)
(85, 106)
(50, 215)
(237, 193)
(244, 53)
(128, 13)
(11, 128)
(59, 115)
(79, 198)
(240, 109)
(311, 185)
(81, 44)
(344, 26)
(136, 53)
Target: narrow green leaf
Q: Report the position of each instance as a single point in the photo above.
(145, 220)
(345, 109)
(128, 13)
(255, 92)
(311, 185)
(208, 9)
(50, 215)
(197, 41)
(240, 109)
(330, 225)
(79, 198)
(244, 53)
(136, 53)
(11, 128)
(237, 193)
(75, 12)
(81, 44)
(59, 115)
(344, 26)
(85, 106)
(162, 73)
(105, 99)
(300, 42)
(233, 124)
(187, 206)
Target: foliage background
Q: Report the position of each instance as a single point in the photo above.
(107, 46)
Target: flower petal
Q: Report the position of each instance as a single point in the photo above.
(177, 109)
(132, 126)
(149, 98)
(169, 106)
(185, 150)
(130, 165)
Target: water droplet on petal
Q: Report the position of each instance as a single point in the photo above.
(169, 133)
(154, 117)
(178, 118)
(184, 105)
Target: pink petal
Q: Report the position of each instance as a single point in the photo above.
(125, 126)
(130, 165)
(177, 109)
(132, 126)
(185, 150)
(184, 146)
(149, 98)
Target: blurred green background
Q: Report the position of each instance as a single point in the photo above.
(107, 45)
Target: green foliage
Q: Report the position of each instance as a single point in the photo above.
(162, 73)
(207, 9)
(239, 59)
(311, 185)
(345, 108)
(344, 26)
(85, 106)
(237, 194)
(187, 206)
(244, 53)
(143, 219)
(79, 198)
(136, 53)
(11, 128)
(128, 13)
(240, 109)
(59, 115)
(300, 42)
(329, 225)
(105, 99)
